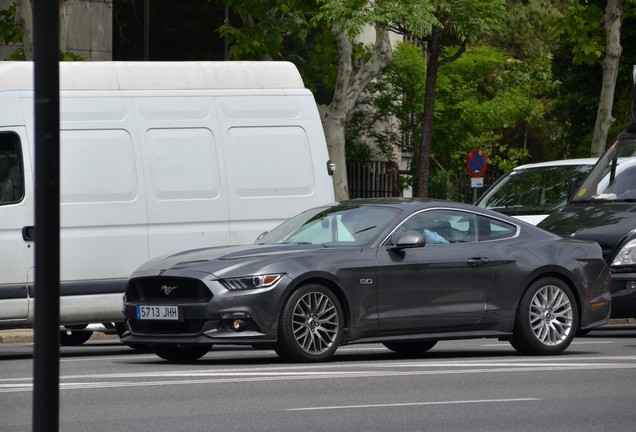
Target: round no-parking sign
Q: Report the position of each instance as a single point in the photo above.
(476, 162)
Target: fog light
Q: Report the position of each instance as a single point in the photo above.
(237, 325)
(630, 285)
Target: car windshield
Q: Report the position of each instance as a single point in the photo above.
(533, 191)
(333, 226)
(614, 176)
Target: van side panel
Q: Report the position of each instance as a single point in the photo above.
(276, 158)
(183, 173)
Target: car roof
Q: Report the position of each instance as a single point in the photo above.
(562, 162)
(409, 204)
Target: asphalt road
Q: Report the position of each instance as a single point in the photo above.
(480, 385)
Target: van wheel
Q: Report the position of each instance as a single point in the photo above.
(311, 325)
(74, 337)
(547, 318)
(181, 353)
(410, 348)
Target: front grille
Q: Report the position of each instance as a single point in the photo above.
(168, 289)
(158, 327)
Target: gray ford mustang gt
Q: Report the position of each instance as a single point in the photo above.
(404, 273)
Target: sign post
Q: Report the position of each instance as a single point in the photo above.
(476, 163)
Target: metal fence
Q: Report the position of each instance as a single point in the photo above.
(380, 179)
(373, 179)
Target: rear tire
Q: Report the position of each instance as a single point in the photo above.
(311, 325)
(547, 318)
(410, 348)
(181, 353)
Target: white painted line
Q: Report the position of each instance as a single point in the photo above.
(414, 404)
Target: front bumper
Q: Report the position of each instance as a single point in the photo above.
(623, 292)
(214, 316)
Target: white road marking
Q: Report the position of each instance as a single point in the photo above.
(304, 372)
(392, 405)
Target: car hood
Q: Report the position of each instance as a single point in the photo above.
(222, 259)
(607, 223)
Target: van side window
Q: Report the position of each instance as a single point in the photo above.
(11, 170)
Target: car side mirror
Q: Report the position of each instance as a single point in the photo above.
(260, 237)
(410, 239)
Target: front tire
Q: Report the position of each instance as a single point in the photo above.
(181, 353)
(311, 325)
(547, 318)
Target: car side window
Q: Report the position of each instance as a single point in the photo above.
(493, 229)
(440, 226)
(11, 171)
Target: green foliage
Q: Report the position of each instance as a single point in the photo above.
(387, 117)
(582, 27)
(10, 33)
(265, 26)
(413, 16)
(70, 56)
(481, 97)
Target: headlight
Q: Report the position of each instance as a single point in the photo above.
(251, 282)
(627, 255)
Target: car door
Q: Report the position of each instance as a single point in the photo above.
(442, 285)
(16, 223)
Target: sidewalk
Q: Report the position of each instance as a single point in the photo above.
(26, 336)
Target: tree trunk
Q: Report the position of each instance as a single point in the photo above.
(63, 26)
(24, 21)
(432, 70)
(604, 119)
(334, 127)
(351, 81)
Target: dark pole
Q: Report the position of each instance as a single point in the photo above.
(46, 352)
(147, 30)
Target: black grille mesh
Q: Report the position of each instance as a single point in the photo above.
(168, 289)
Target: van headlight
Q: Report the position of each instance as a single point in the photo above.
(251, 282)
(627, 255)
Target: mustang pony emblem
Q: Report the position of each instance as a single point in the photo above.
(168, 289)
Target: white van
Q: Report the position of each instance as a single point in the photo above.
(531, 192)
(156, 157)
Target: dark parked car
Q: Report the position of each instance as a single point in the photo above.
(406, 273)
(603, 209)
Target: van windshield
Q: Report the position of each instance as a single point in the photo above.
(533, 190)
(614, 176)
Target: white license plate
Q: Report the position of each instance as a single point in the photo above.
(170, 313)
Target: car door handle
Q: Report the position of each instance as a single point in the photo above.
(478, 261)
(28, 233)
